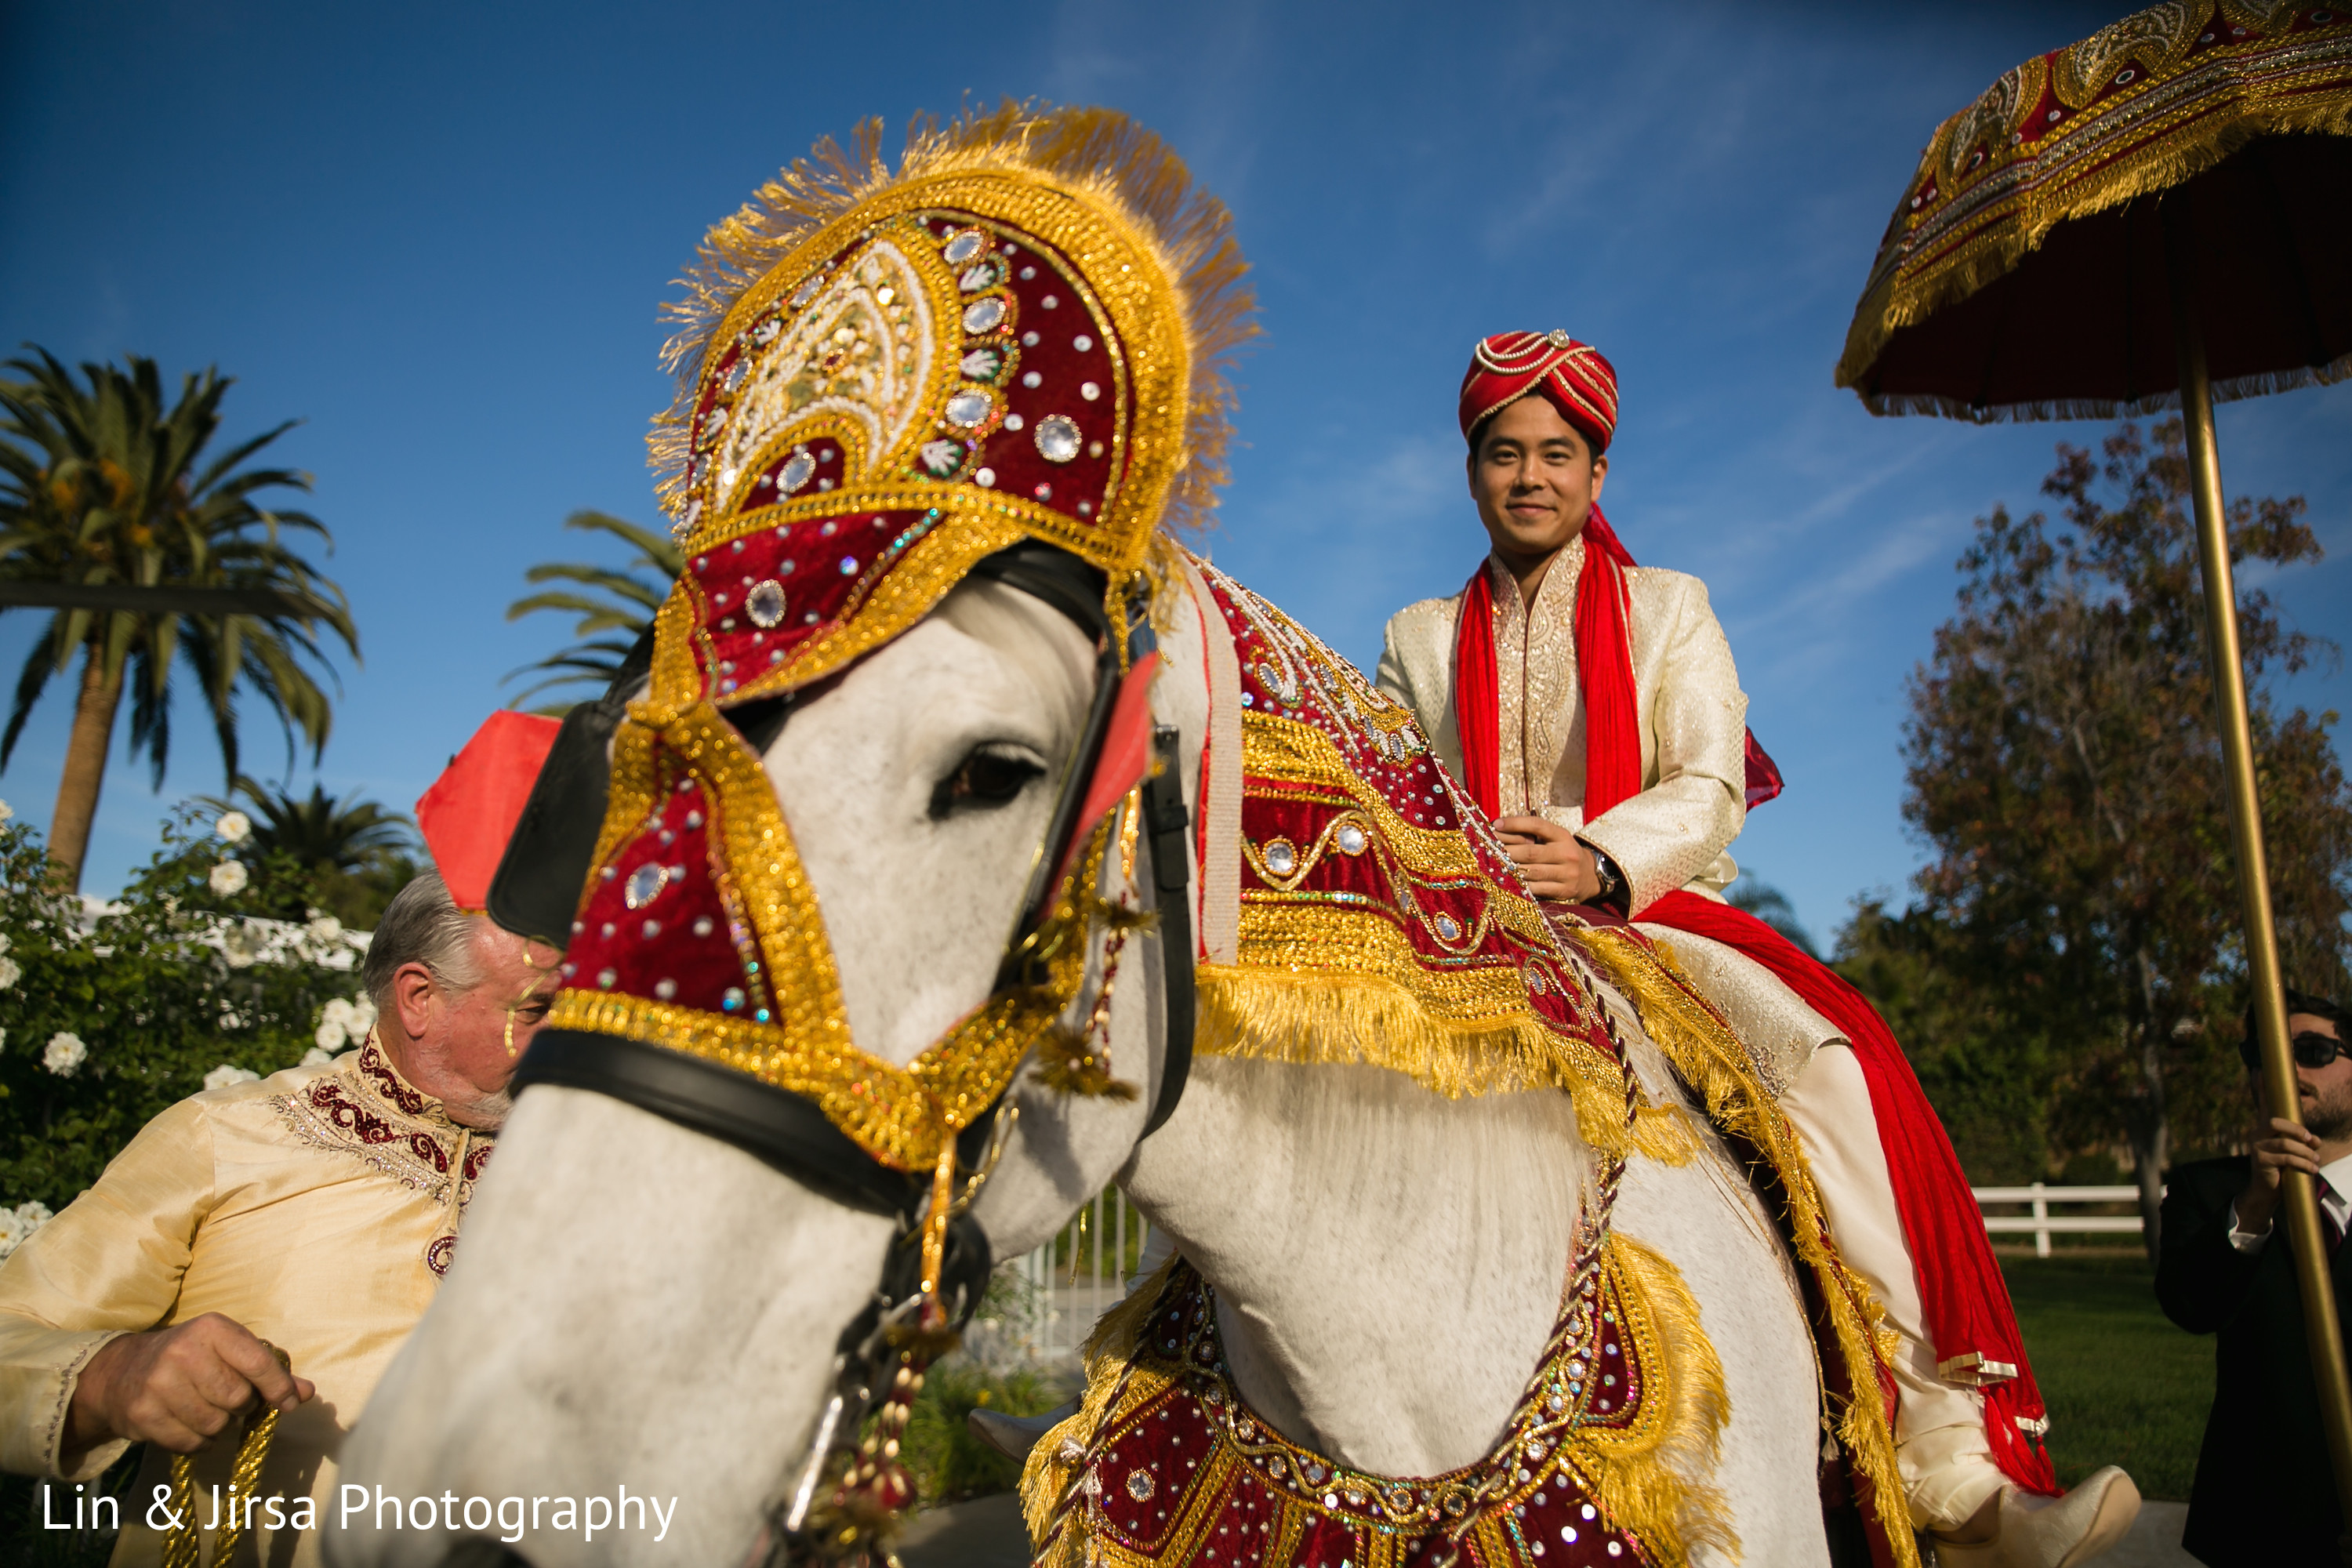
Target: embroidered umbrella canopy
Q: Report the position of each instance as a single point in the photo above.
(2155, 217)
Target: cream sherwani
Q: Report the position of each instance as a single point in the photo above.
(1692, 716)
(317, 1208)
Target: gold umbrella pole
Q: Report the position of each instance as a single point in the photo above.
(2304, 1236)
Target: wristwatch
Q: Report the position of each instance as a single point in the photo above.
(1613, 881)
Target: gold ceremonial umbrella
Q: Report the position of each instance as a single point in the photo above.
(2157, 217)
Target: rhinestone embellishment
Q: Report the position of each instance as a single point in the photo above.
(1057, 438)
(1447, 929)
(1140, 1484)
(968, 408)
(981, 315)
(795, 472)
(1351, 839)
(644, 884)
(964, 247)
(1280, 856)
(765, 603)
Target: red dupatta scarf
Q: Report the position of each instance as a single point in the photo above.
(1961, 1290)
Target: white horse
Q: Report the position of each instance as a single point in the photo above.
(636, 1306)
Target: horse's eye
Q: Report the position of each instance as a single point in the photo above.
(984, 780)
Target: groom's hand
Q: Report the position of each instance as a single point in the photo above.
(1555, 864)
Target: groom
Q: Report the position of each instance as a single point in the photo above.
(1592, 707)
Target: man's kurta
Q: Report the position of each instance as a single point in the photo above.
(1674, 834)
(317, 1208)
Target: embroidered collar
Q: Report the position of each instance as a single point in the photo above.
(366, 1109)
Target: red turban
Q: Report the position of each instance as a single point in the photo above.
(1573, 377)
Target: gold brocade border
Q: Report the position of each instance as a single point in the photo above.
(1370, 1019)
(1636, 1474)
(911, 589)
(2146, 140)
(1709, 1057)
(901, 1116)
(1287, 750)
(1129, 282)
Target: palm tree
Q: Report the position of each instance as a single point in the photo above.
(626, 607)
(355, 854)
(321, 834)
(107, 496)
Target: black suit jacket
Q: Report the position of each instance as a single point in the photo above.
(2265, 1494)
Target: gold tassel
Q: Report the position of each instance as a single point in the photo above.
(1366, 1019)
(1638, 1476)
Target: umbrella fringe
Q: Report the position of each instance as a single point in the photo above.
(2262, 384)
(1890, 302)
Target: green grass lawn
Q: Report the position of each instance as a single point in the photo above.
(2124, 1386)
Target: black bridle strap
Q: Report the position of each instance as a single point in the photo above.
(1169, 824)
(780, 1127)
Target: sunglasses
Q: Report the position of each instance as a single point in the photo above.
(2311, 1049)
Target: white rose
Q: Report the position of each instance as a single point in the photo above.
(241, 945)
(9, 973)
(331, 1036)
(337, 1011)
(325, 928)
(229, 877)
(233, 827)
(4, 1038)
(363, 1014)
(317, 1057)
(3, 941)
(12, 1231)
(65, 1054)
(32, 1216)
(225, 1075)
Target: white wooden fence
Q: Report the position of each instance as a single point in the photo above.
(2042, 1223)
(1042, 1305)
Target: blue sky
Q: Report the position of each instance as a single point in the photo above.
(438, 235)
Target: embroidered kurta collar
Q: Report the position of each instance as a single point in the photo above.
(1539, 722)
(367, 1109)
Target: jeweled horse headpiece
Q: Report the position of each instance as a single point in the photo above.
(888, 380)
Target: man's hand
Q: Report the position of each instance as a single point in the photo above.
(2281, 1146)
(1554, 863)
(177, 1387)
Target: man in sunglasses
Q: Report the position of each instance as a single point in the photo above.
(2264, 1492)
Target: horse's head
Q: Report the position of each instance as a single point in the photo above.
(873, 842)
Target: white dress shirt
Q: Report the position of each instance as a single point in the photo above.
(2334, 1200)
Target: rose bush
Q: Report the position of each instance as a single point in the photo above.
(109, 1013)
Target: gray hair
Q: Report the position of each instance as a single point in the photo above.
(422, 925)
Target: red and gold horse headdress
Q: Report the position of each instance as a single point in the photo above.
(886, 377)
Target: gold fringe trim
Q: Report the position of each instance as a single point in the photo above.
(1641, 1476)
(1045, 1476)
(1892, 301)
(1097, 156)
(1371, 1021)
(1711, 1059)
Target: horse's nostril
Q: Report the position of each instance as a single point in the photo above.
(478, 1552)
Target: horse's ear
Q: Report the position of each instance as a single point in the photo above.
(1125, 757)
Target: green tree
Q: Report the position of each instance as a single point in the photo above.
(614, 606)
(355, 853)
(103, 486)
(2064, 771)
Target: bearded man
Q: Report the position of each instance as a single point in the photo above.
(312, 1213)
(1594, 709)
(2263, 1493)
